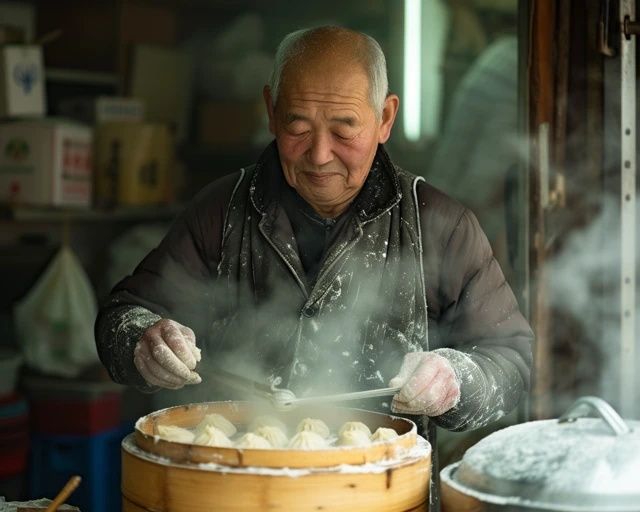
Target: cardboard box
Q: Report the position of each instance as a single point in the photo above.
(103, 109)
(133, 163)
(168, 103)
(46, 163)
(21, 81)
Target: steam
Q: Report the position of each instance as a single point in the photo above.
(257, 341)
(585, 287)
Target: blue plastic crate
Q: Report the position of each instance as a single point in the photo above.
(96, 458)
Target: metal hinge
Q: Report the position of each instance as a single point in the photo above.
(630, 28)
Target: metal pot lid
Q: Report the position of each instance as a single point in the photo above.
(569, 464)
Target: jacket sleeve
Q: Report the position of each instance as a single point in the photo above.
(172, 281)
(478, 325)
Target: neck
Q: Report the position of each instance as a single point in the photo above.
(325, 211)
(331, 212)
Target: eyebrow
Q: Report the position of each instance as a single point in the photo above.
(348, 120)
(290, 118)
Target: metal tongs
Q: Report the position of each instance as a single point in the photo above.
(284, 399)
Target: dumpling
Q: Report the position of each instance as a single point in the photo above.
(175, 434)
(384, 434)
(250, 440)
(355, 425)
(312, 425)
(307, 440)
(354, 438)
(274, 435)
(267, 421)
(212, 436)
(218, 421)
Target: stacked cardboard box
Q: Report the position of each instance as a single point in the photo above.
(46, 162)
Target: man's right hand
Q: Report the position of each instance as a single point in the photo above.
(166, 355)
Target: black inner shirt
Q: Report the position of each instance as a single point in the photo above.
(314, 234)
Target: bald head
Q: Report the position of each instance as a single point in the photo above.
(325, 48)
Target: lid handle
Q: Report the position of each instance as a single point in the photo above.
(604, 410)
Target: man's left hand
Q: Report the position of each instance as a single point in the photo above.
(428, 385)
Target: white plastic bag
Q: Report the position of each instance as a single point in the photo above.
(54, 321)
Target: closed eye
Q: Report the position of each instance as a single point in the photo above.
(298, 127)
(345, 128)
(344, 135)
(296, 130)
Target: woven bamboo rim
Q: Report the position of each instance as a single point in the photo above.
(242, 413)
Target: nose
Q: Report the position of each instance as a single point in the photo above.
(320, 152)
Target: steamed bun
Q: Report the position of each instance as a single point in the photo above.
(175, 434)
(212, 436)
(313, 425)
(218, 421)
(274, 435)
(354, 438)
(250, 440)
(384, 434)
(307, 440)
(355, 425)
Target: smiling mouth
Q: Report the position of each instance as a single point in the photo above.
(319, 177)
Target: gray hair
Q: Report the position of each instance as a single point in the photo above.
(371, 57)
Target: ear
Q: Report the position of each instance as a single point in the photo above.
(266, 94)
(389, 112)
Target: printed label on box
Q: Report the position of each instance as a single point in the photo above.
(22, 89)
(76, 169)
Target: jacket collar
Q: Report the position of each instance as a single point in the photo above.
(380, 192)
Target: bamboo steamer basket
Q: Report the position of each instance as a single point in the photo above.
(163, 476)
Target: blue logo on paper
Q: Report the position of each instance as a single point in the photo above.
(25, 75)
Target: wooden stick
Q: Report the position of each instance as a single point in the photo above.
(69, 487)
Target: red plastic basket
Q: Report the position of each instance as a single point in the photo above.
(76, 416)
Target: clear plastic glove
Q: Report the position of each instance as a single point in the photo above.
(166, 355)
(428, 385)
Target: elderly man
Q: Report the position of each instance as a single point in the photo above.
(326, 266)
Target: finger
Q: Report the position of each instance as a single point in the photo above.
(163, 354)
(431, 399)
(142, 352)
(194, 378)
(149, 377)
(191, 339)
(423, 377)
(453, 397)
(441, 396)
(160, 373)
(409, 364)
(179, 344)
(187, 332)
(400, 407)
(196, 352)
